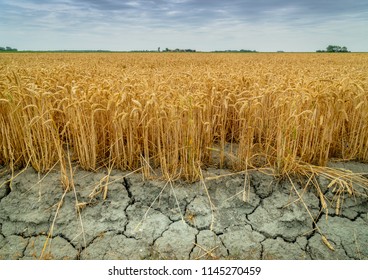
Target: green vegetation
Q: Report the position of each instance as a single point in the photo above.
(333, 48)
(7, 49)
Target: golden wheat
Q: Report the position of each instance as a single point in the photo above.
(182, 112)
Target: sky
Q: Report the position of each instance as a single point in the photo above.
(204, 25)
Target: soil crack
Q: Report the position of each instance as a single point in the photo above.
(194, 244)
(161, 235)
(5, 190)
(126, 184)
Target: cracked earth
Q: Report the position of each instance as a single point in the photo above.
(226, 216)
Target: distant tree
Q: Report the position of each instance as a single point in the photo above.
(178, 50)
(332, 48)
(242, 50)
(8, 49)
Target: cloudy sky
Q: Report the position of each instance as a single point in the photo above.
(262, 25)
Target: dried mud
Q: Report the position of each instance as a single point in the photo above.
(227, 216)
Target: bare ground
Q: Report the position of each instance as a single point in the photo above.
(226, 216)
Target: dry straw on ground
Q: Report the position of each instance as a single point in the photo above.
(180, 112)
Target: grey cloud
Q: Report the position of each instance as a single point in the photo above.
(197, 13)
(197, 19)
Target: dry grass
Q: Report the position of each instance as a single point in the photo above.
(171, 111)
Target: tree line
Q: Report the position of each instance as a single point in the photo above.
(7, 49)
(334, 49)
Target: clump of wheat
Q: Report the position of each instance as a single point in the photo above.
(182, 112)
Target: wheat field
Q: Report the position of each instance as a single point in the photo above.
(182, 112)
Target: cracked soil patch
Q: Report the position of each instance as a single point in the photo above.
(232, 216)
